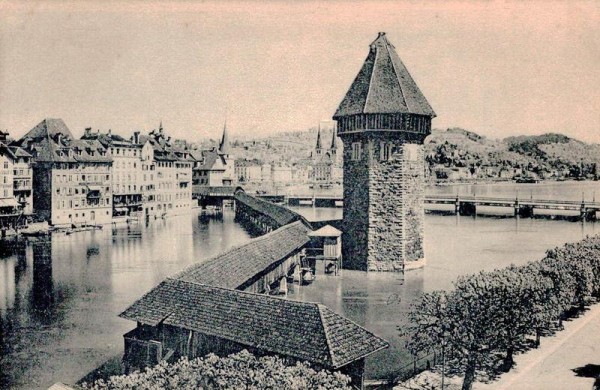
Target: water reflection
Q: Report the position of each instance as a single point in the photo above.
(59, 298)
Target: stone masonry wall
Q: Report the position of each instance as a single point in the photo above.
(356, 206)
(383, 204)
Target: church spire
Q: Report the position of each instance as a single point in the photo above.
(334, 138)
(318, 148)
(224, 147)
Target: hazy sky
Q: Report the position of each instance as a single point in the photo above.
(498, 68)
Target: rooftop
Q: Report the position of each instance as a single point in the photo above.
(243, 264)
(281, 215)
(383, 86)
(302, 330)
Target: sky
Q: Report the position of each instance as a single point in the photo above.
(498, 68)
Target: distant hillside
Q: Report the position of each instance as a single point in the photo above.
(546, 155)
(552, 156)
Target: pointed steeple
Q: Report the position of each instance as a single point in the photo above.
(383, 86)
(224, 146)
(318, 147)
(334, 139)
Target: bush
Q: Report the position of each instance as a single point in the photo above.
(238, 371)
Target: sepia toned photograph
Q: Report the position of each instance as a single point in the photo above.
(379, 195)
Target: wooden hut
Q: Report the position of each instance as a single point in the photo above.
(326, 245)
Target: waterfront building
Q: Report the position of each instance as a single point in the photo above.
(248, 171)
(209, 169)
(22, 179)
(383, 121)
(126, 171)
(223, 305)
(71, 178)
(10, 209)
(168, 175)
(181, 318)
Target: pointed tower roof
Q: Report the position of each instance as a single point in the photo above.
(319, 139)
(383, 86)
(224, 147)
(334, 138)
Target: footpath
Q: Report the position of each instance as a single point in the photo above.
(549, 367)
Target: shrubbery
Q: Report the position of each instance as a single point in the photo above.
(488, 316)
(238, 371)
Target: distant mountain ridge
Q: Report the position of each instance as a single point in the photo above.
(546, 155)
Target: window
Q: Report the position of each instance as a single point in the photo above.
(356, 150)
(385, 151)
(5, 164)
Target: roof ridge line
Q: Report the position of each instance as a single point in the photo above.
(387, 47)
(233, 248)
(370, 80)
(236, 291)
(327, 339)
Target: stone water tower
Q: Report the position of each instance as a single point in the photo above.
(383, 121)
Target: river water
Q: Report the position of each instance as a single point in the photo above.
(60, 297)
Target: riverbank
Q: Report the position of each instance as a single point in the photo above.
(570, 359)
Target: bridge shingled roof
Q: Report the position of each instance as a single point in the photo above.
(280, 214)
(241, 265)
(302, 330)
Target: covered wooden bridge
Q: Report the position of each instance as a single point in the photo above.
(182, 318)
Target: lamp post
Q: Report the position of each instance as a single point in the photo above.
(444, 334)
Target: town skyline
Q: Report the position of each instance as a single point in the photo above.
(495, 69)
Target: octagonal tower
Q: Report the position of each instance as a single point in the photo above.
(383, 121)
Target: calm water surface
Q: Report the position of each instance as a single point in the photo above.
(59, 298)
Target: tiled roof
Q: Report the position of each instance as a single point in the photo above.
(280, 214)
(383, 86)
(51, 140)
(302, 330)
(49, 127)
(244, 264)
(209, 159)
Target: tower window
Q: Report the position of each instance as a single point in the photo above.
(385, 150)
(356, 150)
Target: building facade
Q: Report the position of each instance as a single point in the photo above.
(383, 121)
(126, 171)
(71, 178)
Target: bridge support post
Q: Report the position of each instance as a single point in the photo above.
(457, 206)
(588, 214)
(467, 209)
(525, 211)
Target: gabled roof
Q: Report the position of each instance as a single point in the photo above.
(306, 331)
(280, 214)
(209, 159)
(383, 86)
(243, 265)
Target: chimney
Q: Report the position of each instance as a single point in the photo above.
(136, 137)
(59, 138)
(87, 132)
(109, 132)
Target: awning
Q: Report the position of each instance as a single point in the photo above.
(9, 202)
(326, 231)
